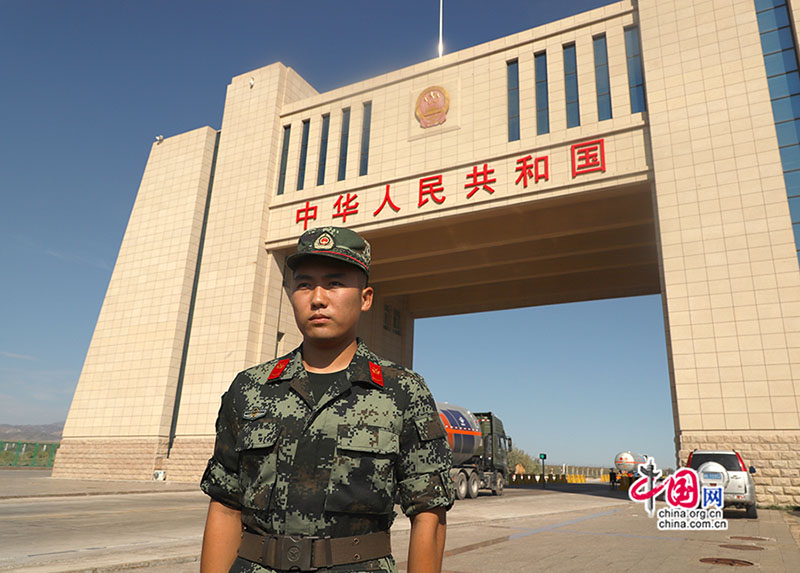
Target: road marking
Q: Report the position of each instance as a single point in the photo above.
(97, 513)
(661, 537)
(562, 524)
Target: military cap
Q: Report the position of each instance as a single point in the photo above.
(333, 242)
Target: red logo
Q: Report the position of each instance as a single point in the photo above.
(682, 489)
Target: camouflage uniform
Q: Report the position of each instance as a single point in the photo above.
(294, 467)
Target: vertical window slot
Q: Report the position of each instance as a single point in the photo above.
(633, 51)
(601, 78)
(301, 172)
(287, 130)
(343, 144)
(513, 100)
(542, 100)
(323, 149)
(365, 128)
(571, 86)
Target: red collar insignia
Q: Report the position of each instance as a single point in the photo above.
(376, 374)
(278, 370)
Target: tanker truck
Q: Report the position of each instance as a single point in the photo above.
(627, 463)
(480, 450)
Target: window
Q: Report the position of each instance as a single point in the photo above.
(513, 100)
(633, 52)
(287, 130)
(601, 78)
(783, 81)
(301, 172)
(571, 86)
(396, 321)
(343, 145)
(365, 125)
(323, 149)
(542, 103)
(729, 461)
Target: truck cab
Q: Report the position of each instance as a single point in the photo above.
(480, 450)
(496, 446)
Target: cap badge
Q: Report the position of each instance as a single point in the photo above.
(324, 241)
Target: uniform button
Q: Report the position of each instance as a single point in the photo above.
(356, 556)
(356, 541)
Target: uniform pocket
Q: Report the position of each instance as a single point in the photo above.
(429, 427)
(258, 452)
(362, 475)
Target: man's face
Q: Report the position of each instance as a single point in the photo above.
(328, 297)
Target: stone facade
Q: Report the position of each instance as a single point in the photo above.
(111, 459)
(188, 459)
(775, 455)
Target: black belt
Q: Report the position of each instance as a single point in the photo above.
(305, 553)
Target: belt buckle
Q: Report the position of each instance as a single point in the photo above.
(294, 553)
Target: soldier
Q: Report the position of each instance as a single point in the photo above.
(311, 447)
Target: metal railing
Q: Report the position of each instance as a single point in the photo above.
(27, 454)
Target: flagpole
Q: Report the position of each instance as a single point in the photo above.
(441, 45)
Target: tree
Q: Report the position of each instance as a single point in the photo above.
(518, 456)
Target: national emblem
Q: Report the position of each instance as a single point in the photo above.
(432, 106)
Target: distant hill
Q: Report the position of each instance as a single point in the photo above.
(32, 433)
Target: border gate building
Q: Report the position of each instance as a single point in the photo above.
(643, 147)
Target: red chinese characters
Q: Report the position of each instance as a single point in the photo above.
(306, 214)
(386, 200)
(682, 489)
(480, 179)
(588, 157)
(585, 157)
(539, 169)
(431, 186)
(346, 206)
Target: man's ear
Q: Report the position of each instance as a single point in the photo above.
(367, 294)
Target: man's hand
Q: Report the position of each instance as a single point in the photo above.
(425, 550)
(221, 538)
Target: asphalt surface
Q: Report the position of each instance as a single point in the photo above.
(50, 525)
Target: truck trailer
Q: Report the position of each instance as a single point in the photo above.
(480, 450)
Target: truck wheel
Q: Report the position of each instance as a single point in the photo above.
(752, 512)
(499, 482)
(473, 485)
(461, 485)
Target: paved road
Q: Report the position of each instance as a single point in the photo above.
(71, 532)
(580, 528)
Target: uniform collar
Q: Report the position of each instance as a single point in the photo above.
(364, 367)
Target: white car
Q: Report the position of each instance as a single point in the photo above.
(726, 468)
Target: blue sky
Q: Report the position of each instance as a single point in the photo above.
(87, 85)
